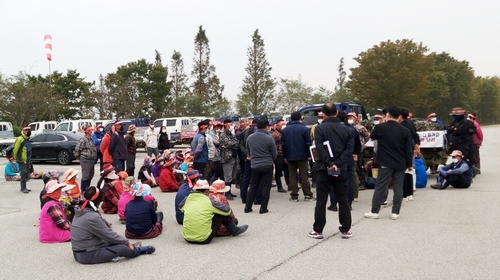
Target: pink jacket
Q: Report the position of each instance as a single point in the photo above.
(125, 198)
(48, 232)
(478, 136)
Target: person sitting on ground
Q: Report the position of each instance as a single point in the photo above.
(12, 170)
(167, 182)
(142, 222)
(126, 197)
(122, 175)
(457, 174)
(218, 194)
(167, 154)
(92, 239)
(204, 215)
(34, 174)
(54, 225)
(110, 194)
(156, 168)
(145, 175)
(188, 163)
(68, 203)
(107, 168)
(49, 176)
(69, 178)
(184, 190)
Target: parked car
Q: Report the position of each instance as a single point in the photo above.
(41, 127)
(141, 126)
(74, 125)
(55, 146)
(6, 136)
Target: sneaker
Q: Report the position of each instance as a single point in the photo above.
(371, 215)
(394, 216)
(239, 230)
(315, 235)
(436, 186)
(146, 249)
(309, 198)
(294, 199)
(384, 204)
(406, 199)
(355, 200)
(410, 198)
(333, 208)
(346, 235)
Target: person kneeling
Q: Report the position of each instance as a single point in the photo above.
(457, 174)
(204, 215)
(92, 239)
(142, 222)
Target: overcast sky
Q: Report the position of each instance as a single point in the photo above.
(301, 37)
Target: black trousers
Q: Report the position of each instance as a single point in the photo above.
(281, 168)
(217, 220)
(408, 185)
(200, 166)
(456, 181)
(263, 177)
(325, 183)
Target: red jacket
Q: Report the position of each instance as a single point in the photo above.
(167, 182)
(106, 157)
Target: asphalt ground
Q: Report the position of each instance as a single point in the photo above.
(449, 234)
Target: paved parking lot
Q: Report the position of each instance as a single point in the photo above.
(450, 234)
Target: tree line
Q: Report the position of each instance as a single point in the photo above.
(402, 72)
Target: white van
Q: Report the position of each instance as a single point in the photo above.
(180, 130)
(38, 128)
(74, 125)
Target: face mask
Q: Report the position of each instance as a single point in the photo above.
(152, 126)
(469, 119)
(433, 119)
(320, 120)
(219, 130)
(163, 131)
(454, 160)
(376, 122)
(458, 117)
(350, 121)
(101, 129)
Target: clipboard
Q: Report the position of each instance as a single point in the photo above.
(314, 151)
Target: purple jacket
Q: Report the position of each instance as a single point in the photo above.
(156, 170)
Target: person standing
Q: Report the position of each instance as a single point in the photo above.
(151, 140)
(296, 141)
(331, 171)
(261, 153)
(118, 147)
(478, 141)
(163, 141)
(247, 171)
(22, 154)
(458, 132)
(131, 149)
(394, 156)
(228, 152)
(86, 153)
(312, 164)
(280, 165)
(97, 137)
(199, 149)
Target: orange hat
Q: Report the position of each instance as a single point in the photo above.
(122, 175)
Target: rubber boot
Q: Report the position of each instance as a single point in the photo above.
(159, 217)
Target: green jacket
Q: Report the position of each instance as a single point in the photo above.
(20, 151)
(199, 211)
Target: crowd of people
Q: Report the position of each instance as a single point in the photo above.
(221, 160)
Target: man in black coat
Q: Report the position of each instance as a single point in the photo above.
(459, 133)
(394, 155)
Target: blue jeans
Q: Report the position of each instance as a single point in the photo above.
(119, 165)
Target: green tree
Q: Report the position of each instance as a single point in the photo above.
(180, 90)
(489, 93)
(321, 95)
(24, 99)
(393, 73)
(257, 93)
(294, 94)
(342, 93)
(206, 90)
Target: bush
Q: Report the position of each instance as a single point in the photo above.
(17, 130)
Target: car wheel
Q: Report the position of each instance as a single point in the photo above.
(3, 152)
(63, 157)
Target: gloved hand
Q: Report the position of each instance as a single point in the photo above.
(443, 173)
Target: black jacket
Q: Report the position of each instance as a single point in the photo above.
(459, 135)
(341, 139)
(163, 142)
(393, 145)
(413, 132)
(118, 146)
